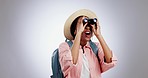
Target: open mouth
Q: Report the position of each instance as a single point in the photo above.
(87, 33)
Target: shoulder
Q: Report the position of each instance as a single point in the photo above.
(63, 45)
(64, 49)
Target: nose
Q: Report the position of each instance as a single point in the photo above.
(88, 28)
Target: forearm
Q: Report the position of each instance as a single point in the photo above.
(75, 48)
(107, 52)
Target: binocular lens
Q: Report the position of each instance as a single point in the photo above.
(89, 21)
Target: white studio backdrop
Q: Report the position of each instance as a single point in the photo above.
(30, 30)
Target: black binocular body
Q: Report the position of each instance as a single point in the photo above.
(90, 21)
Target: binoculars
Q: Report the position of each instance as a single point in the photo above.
(90, 21)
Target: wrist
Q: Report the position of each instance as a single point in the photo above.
(78, 34)
(98, 35)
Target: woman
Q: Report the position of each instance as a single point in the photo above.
(79, 61)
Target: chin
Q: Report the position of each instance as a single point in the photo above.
(87, 39)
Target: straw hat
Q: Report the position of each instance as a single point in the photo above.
(81, 12)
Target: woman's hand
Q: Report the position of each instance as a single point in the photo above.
(96, 29)
(80, 27)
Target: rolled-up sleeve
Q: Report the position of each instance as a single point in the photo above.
(65, 58)
(105, 66)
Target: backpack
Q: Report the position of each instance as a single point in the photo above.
(56, 67)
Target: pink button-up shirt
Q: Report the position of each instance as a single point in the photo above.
(96, 67)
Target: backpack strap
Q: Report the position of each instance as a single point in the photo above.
(69, 43)
(94, 48)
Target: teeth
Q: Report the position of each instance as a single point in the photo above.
(87, 32)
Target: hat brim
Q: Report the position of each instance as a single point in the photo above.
(67, 26)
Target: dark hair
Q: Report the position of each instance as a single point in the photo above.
(74, 25)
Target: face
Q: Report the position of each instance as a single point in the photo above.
(87, 33)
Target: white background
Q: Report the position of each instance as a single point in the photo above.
(30, 30)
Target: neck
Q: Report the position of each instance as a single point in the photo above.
(83, 43)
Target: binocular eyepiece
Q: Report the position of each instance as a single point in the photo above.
(90, 21)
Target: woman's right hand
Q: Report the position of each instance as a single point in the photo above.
(80, 27)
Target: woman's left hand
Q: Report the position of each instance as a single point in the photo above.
(96, 30)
